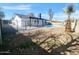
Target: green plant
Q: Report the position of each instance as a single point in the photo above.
(26, 45)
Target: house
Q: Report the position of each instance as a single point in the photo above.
(22, 21)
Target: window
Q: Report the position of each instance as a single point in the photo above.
(34, 21)
(37, 21)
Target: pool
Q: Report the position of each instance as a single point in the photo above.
(50, 26)
(53, 26)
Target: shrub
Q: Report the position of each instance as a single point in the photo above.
(26, 45)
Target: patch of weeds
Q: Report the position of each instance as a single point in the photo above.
(51, 42)
(5, 44)
(26, 45)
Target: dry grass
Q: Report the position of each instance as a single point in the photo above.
(41, 42)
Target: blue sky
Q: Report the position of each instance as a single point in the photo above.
(24, 8)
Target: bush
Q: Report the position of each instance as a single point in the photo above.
(26, 45)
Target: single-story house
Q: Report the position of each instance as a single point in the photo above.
(20, 21)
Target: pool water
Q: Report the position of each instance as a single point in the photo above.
(50, 26)
(53, 26)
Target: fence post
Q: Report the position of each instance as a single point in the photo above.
(0, 32)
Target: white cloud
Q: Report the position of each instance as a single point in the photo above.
(18, 7)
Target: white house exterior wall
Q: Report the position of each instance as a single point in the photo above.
(40, 23)
(22, 23)
(44, 22)
(34, 22)
(17, 22)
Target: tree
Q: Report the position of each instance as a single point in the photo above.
(50, 13)
(69, 11)
(1, 17)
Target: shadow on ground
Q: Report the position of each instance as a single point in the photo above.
(68, 48)
(23, 44)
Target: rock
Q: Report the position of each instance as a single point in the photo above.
(67, 53)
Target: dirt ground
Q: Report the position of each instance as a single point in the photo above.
(42, 42)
